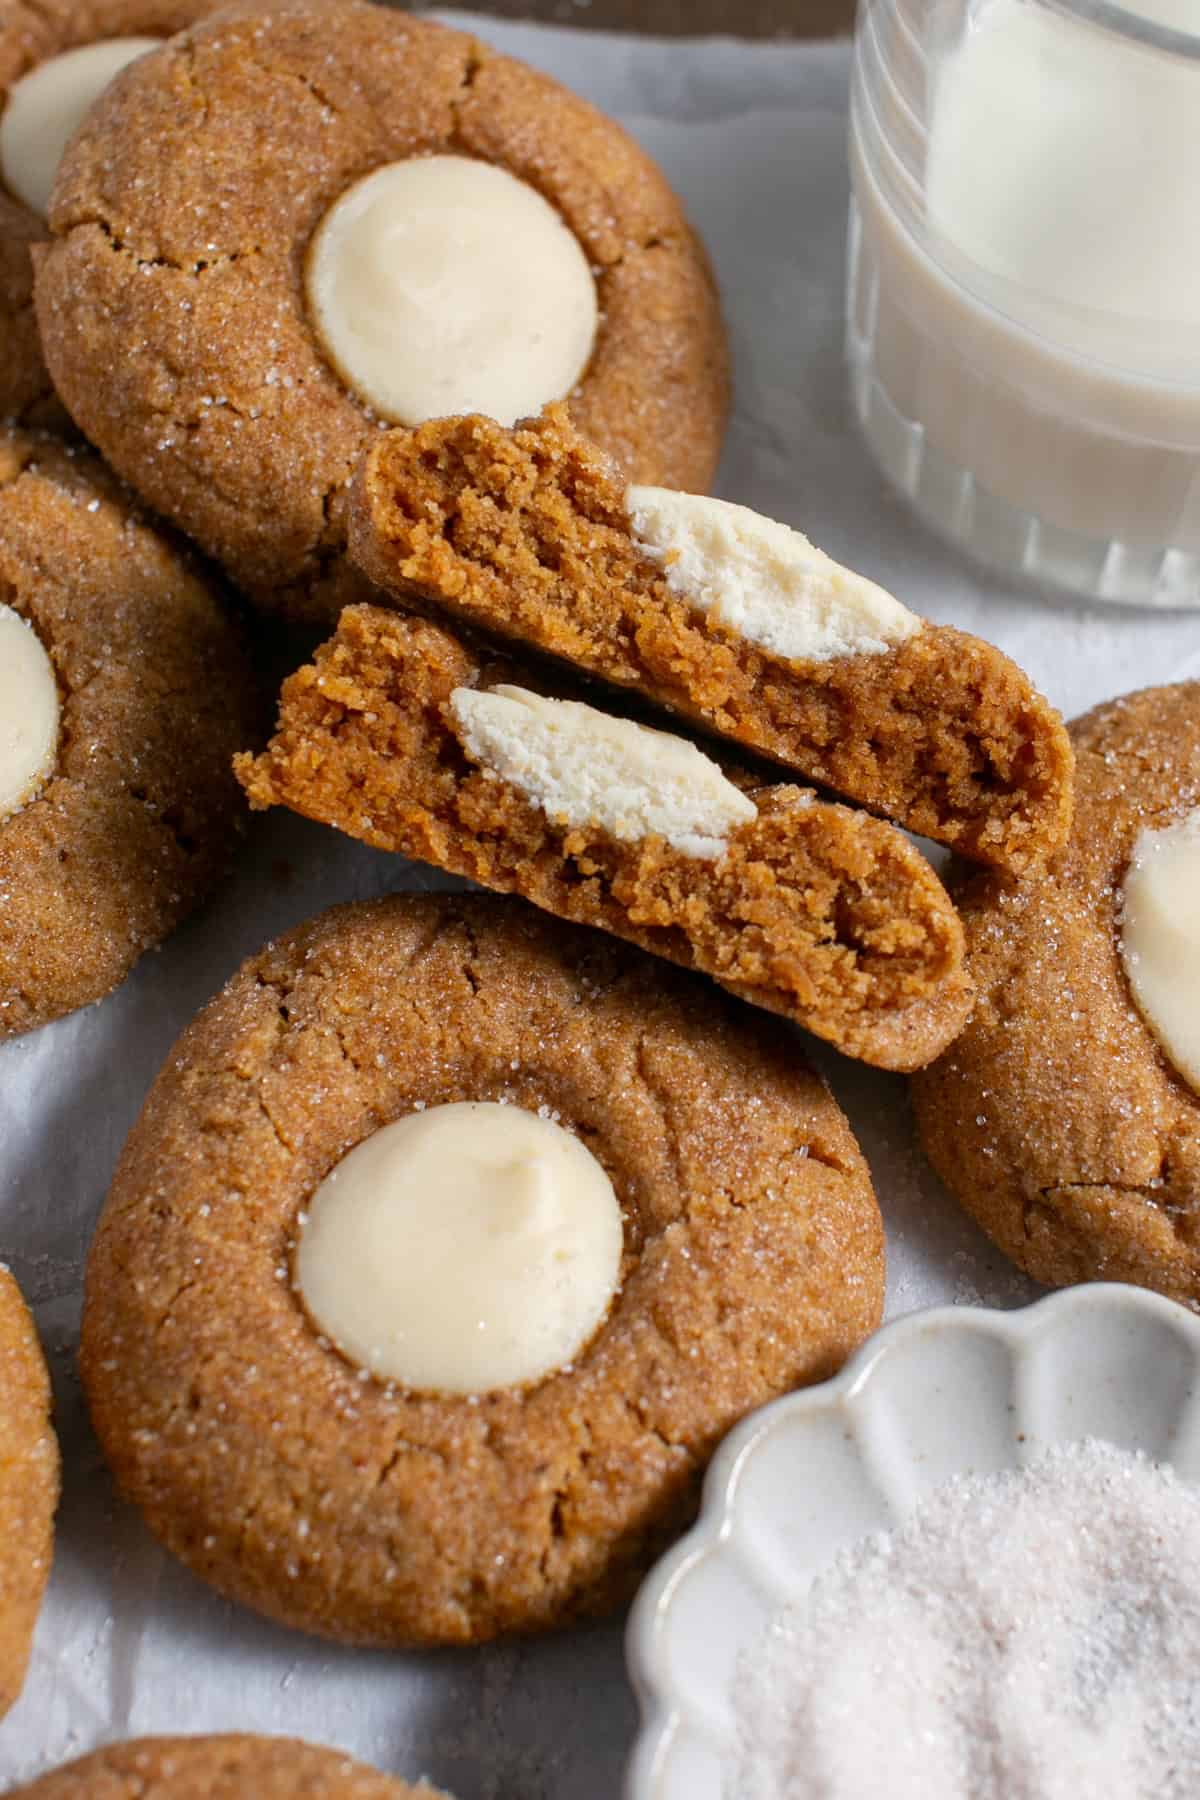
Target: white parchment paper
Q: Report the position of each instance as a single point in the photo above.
(128, 1642)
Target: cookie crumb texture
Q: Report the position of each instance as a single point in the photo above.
(525, 534)
(28, 1485)
(822, 914)
(753, 1264)
(31, 32)
(138, 820)
(172, 304)
(233, 1767)
(1055, 1118)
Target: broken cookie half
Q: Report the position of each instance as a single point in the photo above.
(730, 619)
(400, 735)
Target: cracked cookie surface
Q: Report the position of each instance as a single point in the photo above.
(28, 1485)
(138, 819)
(31, 32)
(1055, 1118)
(172, 304)
(232, 1766)
(753, 1263)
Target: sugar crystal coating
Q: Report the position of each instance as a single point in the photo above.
(752, 1263)
(1027, 1635)
(1056, 1118)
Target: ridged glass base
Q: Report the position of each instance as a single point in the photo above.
(949, 498)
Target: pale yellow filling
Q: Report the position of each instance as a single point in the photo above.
(442, 285)
(47, 106)
(764, 580)
(29, 713)
(461, 1249)
(582, 767)
(1160, 938)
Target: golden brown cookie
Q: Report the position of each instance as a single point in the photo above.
(233, 1767)
(810, 910)
(526, 534)
(375, 1514)
(1055, 1118)
(140, 812)
(31, 32)
(28, 1485)
(173, 305)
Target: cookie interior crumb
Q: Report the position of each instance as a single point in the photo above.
(812, 910)
(525, 534)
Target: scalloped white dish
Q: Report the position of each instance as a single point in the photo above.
(937, 1394)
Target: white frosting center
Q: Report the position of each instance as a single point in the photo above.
(461, 1249)
(1160, 938)
(443, 285)
(47, 106)
(29, 710)
(583, 767)
(764, 580)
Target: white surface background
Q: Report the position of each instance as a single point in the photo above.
(128, 1642)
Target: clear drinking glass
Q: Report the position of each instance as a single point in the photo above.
(1023, 301)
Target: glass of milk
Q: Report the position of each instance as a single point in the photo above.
(1023, 311)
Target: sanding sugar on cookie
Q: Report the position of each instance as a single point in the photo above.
(235, 1766)
(270, 238)
(56, 58)
(125, 688)
(1066, 1118)
(29, 1469)
(405, 1114)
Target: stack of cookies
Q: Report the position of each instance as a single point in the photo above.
(417, 735)
(284, 229)
(457, 1231)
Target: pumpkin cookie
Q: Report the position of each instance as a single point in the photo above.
(233, 1767)
(56, 56)
(402, 736)
(253, 270)
(731, 620)
(606, 1212)
(1066, 1118)
(124, 690)
(28, 1485)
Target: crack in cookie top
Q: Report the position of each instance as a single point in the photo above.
(373, 1508)
(225, 385)
(125, 689)
(55, 59)
(1064, 1116)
